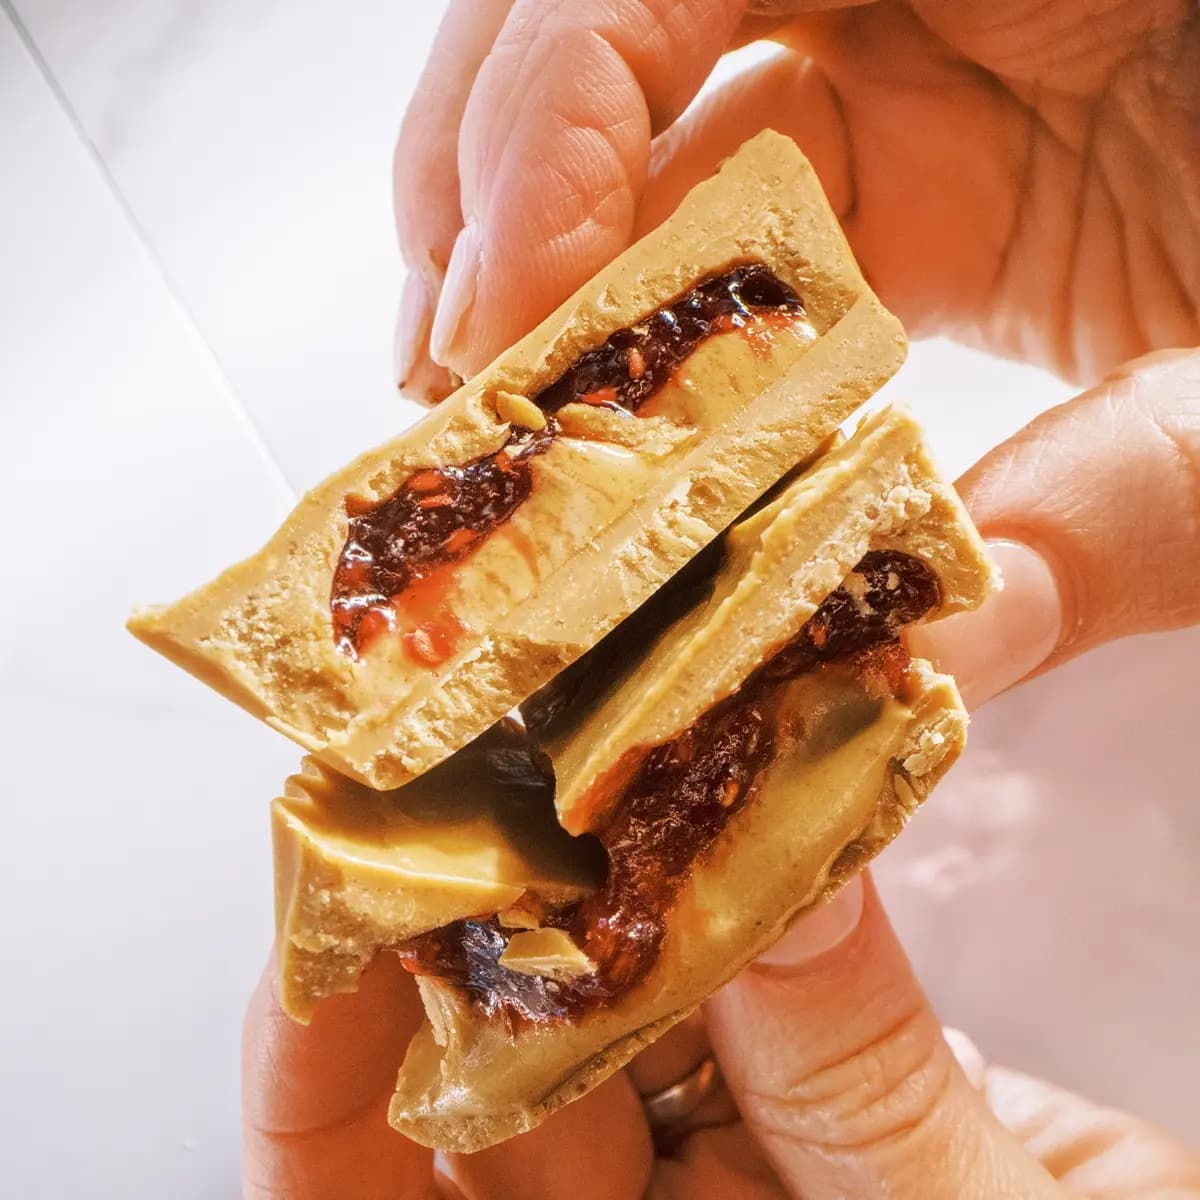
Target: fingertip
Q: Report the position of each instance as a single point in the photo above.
(449, 340)
(818, 930)
(301, 1077)
(1006, 639)
(417, 376)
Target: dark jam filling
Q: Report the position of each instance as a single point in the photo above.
(441, 515)
(675, 800)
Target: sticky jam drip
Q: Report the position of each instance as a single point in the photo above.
(442, 515)
(674, 800)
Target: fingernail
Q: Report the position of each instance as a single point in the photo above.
(458, 294)
(973, 1065)
(818, 931)
(1011, 634)
(412, 324)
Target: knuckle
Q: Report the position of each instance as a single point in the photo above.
(872, 1096)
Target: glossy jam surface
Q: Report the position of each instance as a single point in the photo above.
(635, 362)
(437, 517)
(440, 516)
(673, 800)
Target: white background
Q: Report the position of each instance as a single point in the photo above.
(197, 285)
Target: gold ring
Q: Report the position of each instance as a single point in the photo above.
(668, 1108)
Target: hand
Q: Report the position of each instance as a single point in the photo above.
(841, 1083)
(1055, 215)
(1025, 176)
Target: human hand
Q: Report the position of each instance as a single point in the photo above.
(846, 1085)
(1023, 176)
(841, 1083)
(1055, 215)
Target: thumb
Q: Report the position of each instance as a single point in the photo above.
(554, 151)
(1094, 512)
(839, 1067)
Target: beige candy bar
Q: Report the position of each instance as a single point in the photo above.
(877, 491)
(358, 870)
(823, 809)
(830, 799)
(619, 504)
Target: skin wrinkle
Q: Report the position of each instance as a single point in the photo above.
(1020, 202)
(609, 131)
(932, 1102)
(1068, 325)
(1089, 1144)
(285, 1137)
(1113, 218)
(562, 243)
(670, 26)
(1139, 117)
(1137, 304)
(915, 1029)
(1167, 273)
(941, 67)
(573, 189)
(1077, 40)
(643, 44)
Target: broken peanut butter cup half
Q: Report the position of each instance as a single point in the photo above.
(416, 596)
(733, 752)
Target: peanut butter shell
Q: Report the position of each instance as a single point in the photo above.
(828, 804)
(357, 870)
(879, 490)
(618, 503)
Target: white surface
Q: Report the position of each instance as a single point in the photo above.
(135, 894)
(249, 146)
(253, 143)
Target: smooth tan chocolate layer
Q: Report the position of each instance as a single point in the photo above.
(358, 870)
(876, 492)
(768, 712)
(665, 805)
(609, 510)
(782, 689)
(441, 516)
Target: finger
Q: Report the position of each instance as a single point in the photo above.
(553, 153)
(676, 1054)
(671, 1060)
(595, 1149)
(716, 1164)
(1098, 503)
(1093, 1151)
(967, 1055)
(969, 208)
(920, 153)
(788, 93)
(315, 1097)
(425, 181)
(841, 1072)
